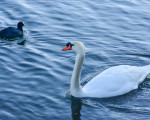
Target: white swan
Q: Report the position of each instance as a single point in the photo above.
(114, 81)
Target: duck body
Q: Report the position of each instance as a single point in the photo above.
(114, 81)
(11, 32)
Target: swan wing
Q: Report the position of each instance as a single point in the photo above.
(115, 81)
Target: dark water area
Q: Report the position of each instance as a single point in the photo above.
(35, 75)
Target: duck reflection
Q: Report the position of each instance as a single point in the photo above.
(76, 108)
(22, 42)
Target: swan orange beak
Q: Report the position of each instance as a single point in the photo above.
(67, 48)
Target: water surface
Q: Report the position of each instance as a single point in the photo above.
(35, 76)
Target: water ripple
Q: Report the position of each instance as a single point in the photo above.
(35, 74)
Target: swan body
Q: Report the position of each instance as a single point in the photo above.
(111, 82)
(115, 81)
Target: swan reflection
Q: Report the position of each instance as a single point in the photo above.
(76, 108)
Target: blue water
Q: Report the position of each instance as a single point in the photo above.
(35, 75)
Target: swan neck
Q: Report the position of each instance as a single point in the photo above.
(75, 80)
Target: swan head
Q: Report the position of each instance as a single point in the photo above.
(76, 46)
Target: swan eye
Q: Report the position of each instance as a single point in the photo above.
(68, 46)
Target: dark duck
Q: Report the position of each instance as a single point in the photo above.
(12, 32)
